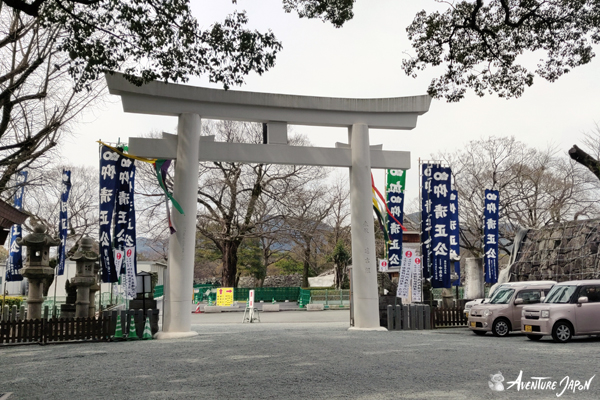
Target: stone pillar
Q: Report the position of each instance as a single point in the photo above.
(180, 272)
(474, 279)
(364, 261)
(35, 297)
(447, 298)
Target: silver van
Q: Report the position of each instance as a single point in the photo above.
(503, 312)
(571, 308)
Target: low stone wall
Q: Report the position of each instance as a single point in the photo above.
(270, 307)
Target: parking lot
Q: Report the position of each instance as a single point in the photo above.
(303, 355)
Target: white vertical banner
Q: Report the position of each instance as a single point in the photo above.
(130, 283)
(251, 304)
(417, 271)
(403, 282)
(251, 299)
(383, 265)
(405, 274)
(119, 255)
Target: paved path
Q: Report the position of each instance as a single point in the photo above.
(297, 355)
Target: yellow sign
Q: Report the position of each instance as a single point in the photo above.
(225, 296)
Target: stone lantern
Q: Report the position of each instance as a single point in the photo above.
(85, 259)
(37, 268)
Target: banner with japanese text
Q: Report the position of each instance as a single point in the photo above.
(108, 187)
(416, 278)
(130, 275)
(490, 235)
(395, 183)
(426, 259)
(117, 175)
(124, 234)
(405, 275)
(440, 224)
(64, 199)
(15, 257)
(454, 236)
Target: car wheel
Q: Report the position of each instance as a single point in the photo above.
(479, 333)
(562, 332)
(501, 327)
(535, 338)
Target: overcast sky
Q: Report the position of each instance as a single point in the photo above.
(362, 60)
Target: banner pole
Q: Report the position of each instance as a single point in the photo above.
(3, 295)
(54, 303)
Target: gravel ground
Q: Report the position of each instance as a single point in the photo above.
(298, 355)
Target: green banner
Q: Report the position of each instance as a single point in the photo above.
(396, 177)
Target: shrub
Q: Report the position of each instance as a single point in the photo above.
(13, 301)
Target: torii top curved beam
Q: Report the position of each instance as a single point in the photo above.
(174, 99)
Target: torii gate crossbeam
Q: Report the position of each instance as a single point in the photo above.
(190, 104)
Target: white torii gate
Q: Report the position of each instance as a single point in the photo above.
(190, 104)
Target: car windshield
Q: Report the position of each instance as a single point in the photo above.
(502, 296)
(560, 294)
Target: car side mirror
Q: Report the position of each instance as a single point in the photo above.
(519, 301)
(582, 299)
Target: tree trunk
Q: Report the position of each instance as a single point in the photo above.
(585, 159)
(230, 258)
(339, 276)
(306, 266)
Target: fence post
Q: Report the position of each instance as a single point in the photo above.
(426, 316)
(22, 313)
(13, 316)
(405, 321)
(326, 299)
(420, 316)
(390, 317)
(5, 313)
(46, 312)
(413, 316)
(398, 317)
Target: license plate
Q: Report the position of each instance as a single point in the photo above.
(473, 324)
(528, 328)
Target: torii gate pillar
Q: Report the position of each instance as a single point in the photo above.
(277, 111)
(179, 281)
(364, 273)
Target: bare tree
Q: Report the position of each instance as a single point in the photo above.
(339, 245)
(537, 187)
(230, 193)
(37, 97)
(43, 199)
(306, 218)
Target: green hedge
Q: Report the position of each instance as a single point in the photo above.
(13, 301)
(267, 294)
